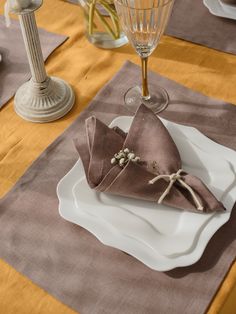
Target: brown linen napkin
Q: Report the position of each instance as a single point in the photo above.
(149, 140)
(70, 263)
(14, 68)
(192, 21)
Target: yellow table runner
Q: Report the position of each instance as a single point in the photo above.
(87, 69)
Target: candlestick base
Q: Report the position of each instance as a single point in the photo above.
(44, 102)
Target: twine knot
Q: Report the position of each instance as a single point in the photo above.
(172, 178)
(175, 176)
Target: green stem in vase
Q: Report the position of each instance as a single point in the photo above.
(114, 17)
(85, 5)
(92, 11)
(86, 15)
(105, 24)
(116, 26)
(92, 8)
(108, 7)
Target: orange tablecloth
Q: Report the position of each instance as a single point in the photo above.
(87, 69)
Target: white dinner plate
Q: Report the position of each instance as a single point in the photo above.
(216, 7)
(161, 237)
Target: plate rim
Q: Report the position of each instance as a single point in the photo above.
(181, 261)
(223, 13)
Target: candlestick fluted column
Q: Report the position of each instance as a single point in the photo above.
(42, 98)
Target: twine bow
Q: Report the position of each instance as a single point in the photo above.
(172, 179)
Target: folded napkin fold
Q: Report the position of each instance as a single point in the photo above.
(143, 164)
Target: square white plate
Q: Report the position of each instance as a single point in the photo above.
(161, 237)
(216, 7)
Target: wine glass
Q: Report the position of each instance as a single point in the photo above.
(144, 22)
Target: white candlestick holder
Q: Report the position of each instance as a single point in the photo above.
(42, 98)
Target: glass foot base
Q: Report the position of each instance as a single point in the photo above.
(158, 102)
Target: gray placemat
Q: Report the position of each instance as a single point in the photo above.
(192, 21)
(70, 263)
(14, 67)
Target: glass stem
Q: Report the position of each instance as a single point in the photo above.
(145, 91)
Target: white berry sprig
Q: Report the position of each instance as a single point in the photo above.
(123, 157)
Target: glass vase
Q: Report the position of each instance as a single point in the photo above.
(102, 24)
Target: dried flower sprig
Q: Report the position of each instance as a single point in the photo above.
(123, 157)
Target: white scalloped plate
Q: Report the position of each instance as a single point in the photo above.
(220, 9)
(161, 237)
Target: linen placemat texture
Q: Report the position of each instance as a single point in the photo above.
(70, 263)
(14, 67)
(192, 21)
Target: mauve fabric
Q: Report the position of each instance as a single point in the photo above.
(70, 263)
(149, 139)
(14, 67)
(192, 21)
